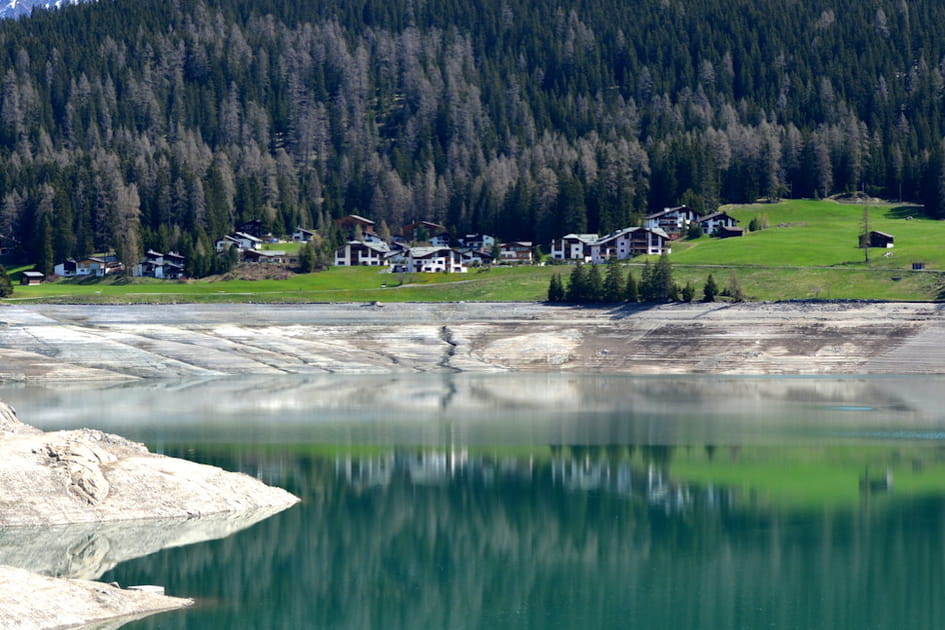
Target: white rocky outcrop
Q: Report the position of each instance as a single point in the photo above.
(75, 503)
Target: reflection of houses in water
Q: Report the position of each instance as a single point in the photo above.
(649, 482)
(365, 472)
(620, 478)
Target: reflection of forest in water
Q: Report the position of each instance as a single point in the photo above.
(588, 536)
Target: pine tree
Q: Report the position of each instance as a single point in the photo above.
(688, 292)
(555, 289)
(613, 283)
(307, 258)
(710, 290)
(648, 283)
(577, 284)
(595, 285)
(664, 278)
(6, 287)
(632, 292)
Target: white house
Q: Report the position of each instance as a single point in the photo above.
(516, 252)
(355, 253)
(433, 259)
(302, 235)
(478, 241)
(573, 247)
(671, 220)
(241, 240)
(630, 242)
(475, 257)
(90, 266)
(712, 222)
(168, 266)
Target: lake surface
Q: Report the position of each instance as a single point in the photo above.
(550, 501)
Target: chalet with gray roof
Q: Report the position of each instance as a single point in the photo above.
(573, 247)
(630, 242)
(673, 221)
(361, 253)
(712, 222)
(516, 252)
(302, 235)
(169, 266)
(434, 259)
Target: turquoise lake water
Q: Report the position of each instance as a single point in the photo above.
(550, 501)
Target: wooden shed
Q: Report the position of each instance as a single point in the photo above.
(31, 278)
(879, 239)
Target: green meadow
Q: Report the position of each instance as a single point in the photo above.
(809, 250)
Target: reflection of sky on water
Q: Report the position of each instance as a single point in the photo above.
(494, 409)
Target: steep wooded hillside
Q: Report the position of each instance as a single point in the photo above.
(162, 124)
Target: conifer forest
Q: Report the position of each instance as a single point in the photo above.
(163, 123)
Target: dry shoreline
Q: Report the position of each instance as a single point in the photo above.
(51, 343)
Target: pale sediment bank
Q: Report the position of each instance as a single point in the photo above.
(75, 503)
(55, 343)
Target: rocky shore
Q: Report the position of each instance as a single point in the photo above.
(75, 503)
(59, 343)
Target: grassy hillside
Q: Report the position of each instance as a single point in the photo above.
(808, 251)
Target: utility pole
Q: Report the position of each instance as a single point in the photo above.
(866, 228)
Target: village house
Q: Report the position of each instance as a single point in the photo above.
(573, 247)
(434, 259)
(90, 266)
(476, 257)
(712, 222)
(265, 256)
(426, 232)
(301, 235)
(350, 226)
(673, 221)
(241, 240)
(32, 278)
(879, 239)
(169, 266)
(477, 241)
(6, 244)
(355, 253)
(629, 242)
(518, 252)
(253, 227)
(728, 232)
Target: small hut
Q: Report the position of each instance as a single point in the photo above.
(31, 278)
(878, 239)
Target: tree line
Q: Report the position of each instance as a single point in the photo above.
(588, 284)
(126, 126)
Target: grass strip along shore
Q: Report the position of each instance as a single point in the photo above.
(808, 249)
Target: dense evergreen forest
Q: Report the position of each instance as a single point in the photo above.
(160, 123)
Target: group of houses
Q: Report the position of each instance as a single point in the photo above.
(654, 237)
(169, 266)
(422, 246)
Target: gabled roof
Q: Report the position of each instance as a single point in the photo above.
(615, 235)
(715, 215)
(426, 252)
(246, 237)
(668, 211)
(354, 218)
(378, 246)
(588, 239)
